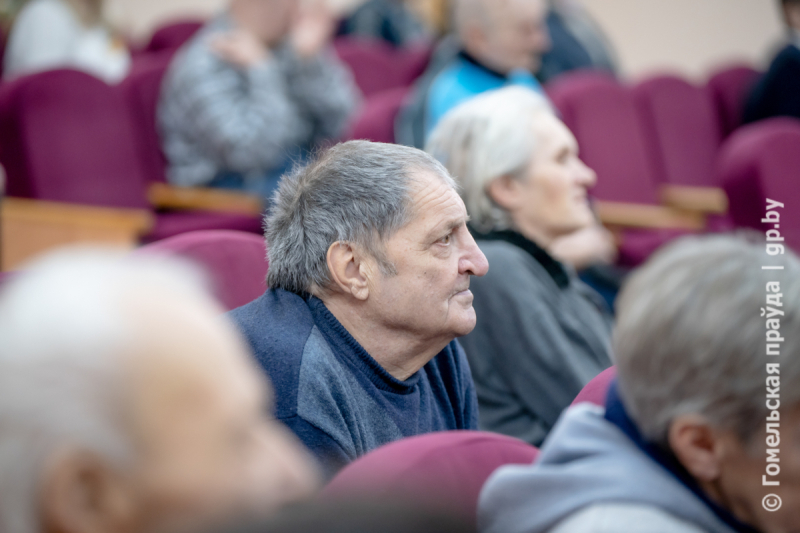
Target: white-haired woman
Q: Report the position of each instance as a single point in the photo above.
(541, 333)
(52, 34)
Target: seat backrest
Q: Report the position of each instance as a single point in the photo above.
(447, 468)
(729, 89)
(681, 130)
(595, 391)
(603, 116)
(141, 90)
(67, 136)
(761, 161)
(173, 35)
(235, 261)
(378, 66)
(375, 120)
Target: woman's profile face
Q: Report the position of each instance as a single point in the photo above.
(554, 187)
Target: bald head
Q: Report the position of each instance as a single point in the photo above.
(503, 34)
(120, 385)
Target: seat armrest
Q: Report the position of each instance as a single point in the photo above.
(710, 200)
(646, 216)
(163, 196)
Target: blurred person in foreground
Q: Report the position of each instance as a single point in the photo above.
(778, 91)
(356, 516)
(502, 42)
(251, 93)
(541, 333)
(128, 405)
(682, 445)
(370, 262)
(53, 34)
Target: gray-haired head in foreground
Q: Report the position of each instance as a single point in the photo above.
(356, 192)
(690, 337)
(486, 137)
(63, 332)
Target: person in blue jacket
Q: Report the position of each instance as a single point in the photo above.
(370, 263)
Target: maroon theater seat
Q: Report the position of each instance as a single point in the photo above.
(602, 114)
(761, 161)
(173, 35)
(447, 468)
(681, 130)
(235, 261)
(66, 136)
(375, 120)
(595, 391)
(378, 66)
(729, 89)
(141, 90)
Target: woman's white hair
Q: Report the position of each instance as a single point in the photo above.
(690, 335)
(63, 332)
(484, 138)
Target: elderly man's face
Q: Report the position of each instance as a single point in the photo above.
(206, 447)
(738, 481)
(434, 256)
(515, 35)
(270, 20)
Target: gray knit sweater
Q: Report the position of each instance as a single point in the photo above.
(216, 117)
(541, 335)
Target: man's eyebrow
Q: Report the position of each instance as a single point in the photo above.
(448, 225)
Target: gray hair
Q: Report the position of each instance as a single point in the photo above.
(690, 337)
(484, 138)
(356, 192)
(63, 331)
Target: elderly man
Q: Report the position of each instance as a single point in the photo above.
(502, 42)
(255, 89)
(697, 435)
(541, 333)
(370, 262)
(127, 405)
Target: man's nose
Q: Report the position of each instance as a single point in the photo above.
(473, 262)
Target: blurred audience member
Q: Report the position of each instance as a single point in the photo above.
(577, 42)
(52, 34)
(370, 263)
(251, 92)
(541, 333)
(371, 516)
(778, 91)
(502, 42)
(388, 20)
(682, 443)
(126, 404)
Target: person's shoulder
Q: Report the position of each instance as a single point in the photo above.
(43, 14)
(46, 8)
(611, 517)
(508, 262)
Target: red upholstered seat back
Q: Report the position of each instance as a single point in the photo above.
(447, 468)
(729, 89)
(235, 261)
(141, 90)
(602, 114)
(173, 35)
(762, 161)
(681, 130)
(67, 136)
(375, 120)
(595, 391)
(378, 66)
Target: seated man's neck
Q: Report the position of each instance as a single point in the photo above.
(400, 352)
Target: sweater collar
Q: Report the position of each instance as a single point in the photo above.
(556, 270)
(469, 58)
(617, 415)
(346, 346)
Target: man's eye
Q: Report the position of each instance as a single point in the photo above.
(446, 239)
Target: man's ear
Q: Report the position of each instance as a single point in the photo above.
(350, 269)
(504, 191)
(82, 493)
(697, 446)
